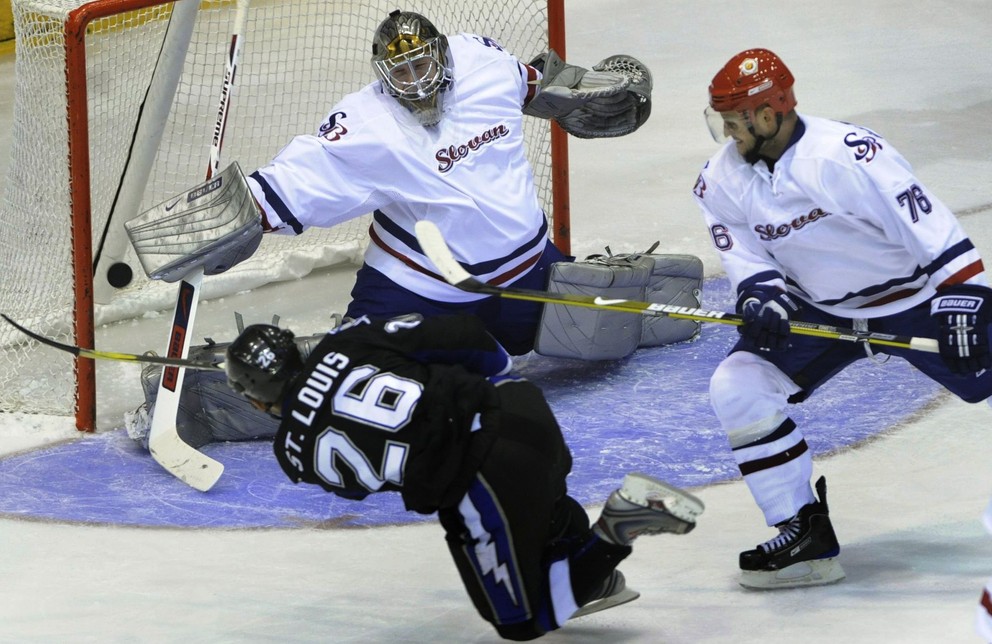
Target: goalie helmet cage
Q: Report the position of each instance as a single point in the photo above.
(114, 109)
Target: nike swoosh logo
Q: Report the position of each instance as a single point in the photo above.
(601, 301)
(173, 204)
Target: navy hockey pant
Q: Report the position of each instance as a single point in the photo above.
(513, 323)
(812, 361)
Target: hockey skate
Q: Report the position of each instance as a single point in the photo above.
(645, 505)
(613, 592)
(803, 554)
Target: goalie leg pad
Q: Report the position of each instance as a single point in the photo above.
(209, 410)
(586, 333)
(597, 334)
(676, 280)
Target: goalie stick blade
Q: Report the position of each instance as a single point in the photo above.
(186, 463)
(93, 354)
(433, 245)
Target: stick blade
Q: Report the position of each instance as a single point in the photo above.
(186, 463)
(436, 249)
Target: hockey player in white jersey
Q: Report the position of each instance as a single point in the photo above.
(821, 221)
(439, 136)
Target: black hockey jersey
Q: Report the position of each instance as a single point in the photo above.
(390, 406)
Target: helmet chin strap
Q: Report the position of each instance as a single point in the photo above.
(754, 155)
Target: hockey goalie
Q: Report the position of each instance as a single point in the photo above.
(430, 139)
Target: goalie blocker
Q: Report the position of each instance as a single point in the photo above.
(599, 334)
(216, 225)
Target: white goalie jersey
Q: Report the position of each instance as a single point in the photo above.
(469, 175)
(842, 219)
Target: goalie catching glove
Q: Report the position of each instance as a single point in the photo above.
(612, 99)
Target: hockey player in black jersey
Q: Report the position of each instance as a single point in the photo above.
(427, 408)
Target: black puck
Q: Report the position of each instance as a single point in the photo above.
(119, 275)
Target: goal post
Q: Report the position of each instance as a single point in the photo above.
(114, 107)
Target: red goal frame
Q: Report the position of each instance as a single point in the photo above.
(79, 174)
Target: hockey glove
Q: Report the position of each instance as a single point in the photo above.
(565, 88)
(962, 314)
(617, 114)
(766, 311)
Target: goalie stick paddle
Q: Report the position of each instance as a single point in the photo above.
(184, 461)
(434, 246)
(93, 354)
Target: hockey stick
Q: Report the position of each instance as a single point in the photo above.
(434, 246)
(167, 448)
(93, 354)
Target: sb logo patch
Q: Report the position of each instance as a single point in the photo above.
(332, 129)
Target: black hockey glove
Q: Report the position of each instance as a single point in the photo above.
(766, 311)
(962, 314)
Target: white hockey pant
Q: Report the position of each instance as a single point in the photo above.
(750, 396)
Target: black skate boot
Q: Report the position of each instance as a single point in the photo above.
(803, 554)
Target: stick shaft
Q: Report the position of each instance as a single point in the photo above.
(93, 354)
(434, 246)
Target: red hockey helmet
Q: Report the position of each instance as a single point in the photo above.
(751, 79)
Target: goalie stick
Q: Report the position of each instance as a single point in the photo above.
(433, 245)
(167, 448)
(94, 354)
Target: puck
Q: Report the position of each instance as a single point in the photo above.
(119, 275)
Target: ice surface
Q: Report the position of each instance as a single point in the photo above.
(906, 501)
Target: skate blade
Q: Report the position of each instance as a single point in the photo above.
(817, 572)
(624, 596)
(651, 493)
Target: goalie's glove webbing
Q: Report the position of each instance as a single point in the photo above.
(617, 114)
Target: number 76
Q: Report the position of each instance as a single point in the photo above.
(916, 200)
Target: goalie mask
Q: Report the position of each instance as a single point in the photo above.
(410, 57)
(750, 80)
(262, 362)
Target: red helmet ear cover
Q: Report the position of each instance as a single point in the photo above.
(753, 78)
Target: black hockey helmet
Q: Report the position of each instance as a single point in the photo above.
(410, 57)
(262, 362)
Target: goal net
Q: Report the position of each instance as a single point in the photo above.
(100, 136)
